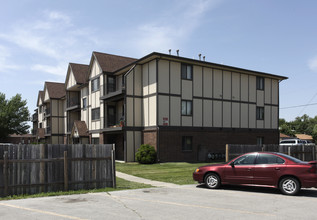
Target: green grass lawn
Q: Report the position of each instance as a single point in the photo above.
(121, 185)
(178, 173)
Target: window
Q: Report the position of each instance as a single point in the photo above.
(259, 113)
(259, 83)
(40, 125)
(41, 110)
(84, 103)
(269, 159)
(111, 85)
(94, 140)
(259, 141)
(187, 71)
(95, 84)
(245, 160)
(95, 114)
(187, 107)
(187, 144)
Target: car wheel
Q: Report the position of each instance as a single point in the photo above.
(289, 186)
(212, 181)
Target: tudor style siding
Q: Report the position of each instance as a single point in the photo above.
(220, 98)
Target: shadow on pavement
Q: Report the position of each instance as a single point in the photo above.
(309, 192)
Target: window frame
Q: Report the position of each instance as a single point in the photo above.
(84, 103)
(93, 89)
(260, 83)
(269, 155)
(114, 84)
(259, 113)
(184, 71)
(185, 146)
(186, 106)
(93, 116)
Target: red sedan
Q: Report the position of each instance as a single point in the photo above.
(261, 168)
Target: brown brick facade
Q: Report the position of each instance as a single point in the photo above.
(150, 137)
(204, 142)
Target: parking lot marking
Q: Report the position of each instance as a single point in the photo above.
(195, 206)
(41, 211)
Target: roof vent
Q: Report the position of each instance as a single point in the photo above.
(177, 51)
(169, 51)
(199, 55)
(204, 58)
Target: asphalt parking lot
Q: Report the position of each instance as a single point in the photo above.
(183, 202)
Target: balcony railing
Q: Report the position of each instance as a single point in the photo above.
(74, 101)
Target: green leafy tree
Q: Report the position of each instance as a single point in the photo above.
(314, 133)
(14, 116)
(286, 129)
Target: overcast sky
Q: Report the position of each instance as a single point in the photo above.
(38, 38)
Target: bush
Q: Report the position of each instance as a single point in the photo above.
(146, 154)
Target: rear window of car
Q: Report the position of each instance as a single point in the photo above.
(290, 158)
(288, 142)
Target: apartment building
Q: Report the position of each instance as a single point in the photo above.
(189, 108)
(50, 115)
(76, 84)
(186, 108)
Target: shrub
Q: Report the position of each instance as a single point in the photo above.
(146, 154)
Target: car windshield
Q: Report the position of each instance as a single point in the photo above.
(291, 158)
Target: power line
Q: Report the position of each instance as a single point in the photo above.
(308, 103)
(298, 106)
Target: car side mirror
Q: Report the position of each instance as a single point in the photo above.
(232, 164)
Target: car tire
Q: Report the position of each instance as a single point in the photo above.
(212, 181)
(289, 186)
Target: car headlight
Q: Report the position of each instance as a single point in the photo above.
(197, 170)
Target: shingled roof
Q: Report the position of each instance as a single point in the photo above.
(40, 96)
(110, 63)
(80, 72)
(55, 90)
(81, 128)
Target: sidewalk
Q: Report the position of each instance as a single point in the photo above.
(145, 181)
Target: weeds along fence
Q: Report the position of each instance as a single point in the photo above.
(302, 152)
(31, 169)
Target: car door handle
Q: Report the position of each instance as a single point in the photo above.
(249, 169)
(276, 168)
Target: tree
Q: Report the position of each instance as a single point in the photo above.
(14, 116)
(286, 129)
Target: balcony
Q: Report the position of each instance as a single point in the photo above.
(35, 117)
(73, 103)
(47, 112)
(48, 130)
(114, 125)
(112, 92)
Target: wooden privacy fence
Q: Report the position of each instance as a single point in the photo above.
(31, 169)
(302, 152)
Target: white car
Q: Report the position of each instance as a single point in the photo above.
(292, 142)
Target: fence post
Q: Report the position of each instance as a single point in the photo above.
(113, 160)
(303, 152)
(289, 150)
(5, 172)
(42, 167)
(227, 152)
(65, 171)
